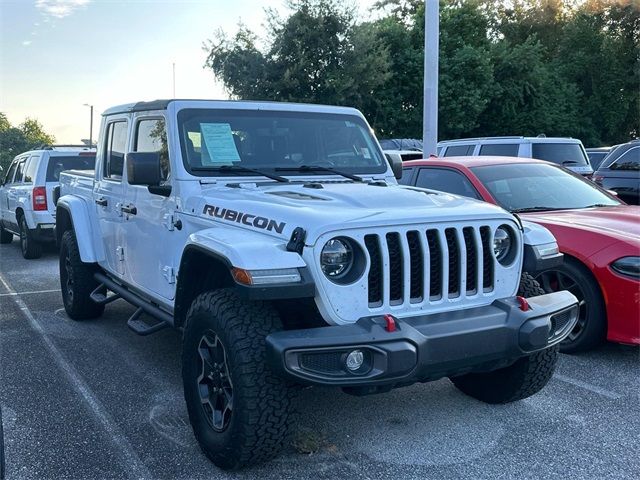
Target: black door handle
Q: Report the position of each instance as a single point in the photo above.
(130, 209)
(102, 202)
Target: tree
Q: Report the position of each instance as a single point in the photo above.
(15, 140)
(317, 54)
(524, 67)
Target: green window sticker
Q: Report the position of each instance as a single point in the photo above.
(218, 145)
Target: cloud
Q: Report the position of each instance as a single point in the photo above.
(59, 8)
(26, 43)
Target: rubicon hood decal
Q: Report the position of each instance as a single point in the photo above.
(249, 219)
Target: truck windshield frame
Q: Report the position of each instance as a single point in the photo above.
(270, 140)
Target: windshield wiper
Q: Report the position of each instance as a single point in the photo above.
(536, 209)
(600, 205)
(570, 162)
(240, 169)
(318, 168)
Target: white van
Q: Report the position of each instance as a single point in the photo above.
(568, 152)
(26, 193)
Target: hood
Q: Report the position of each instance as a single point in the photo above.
(279, 208)
(622, 222)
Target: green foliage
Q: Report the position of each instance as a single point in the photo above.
(318, 54)
(15, 140)
(559, 67)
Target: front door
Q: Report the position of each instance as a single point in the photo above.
(109, 193)
(151, 237)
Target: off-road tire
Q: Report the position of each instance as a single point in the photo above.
(591, 329)
(527, 376)
(30, 247)
(5, 236)
(76, 292)
(529, 287)
(263, 403)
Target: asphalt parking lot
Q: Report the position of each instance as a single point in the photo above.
(93, 400)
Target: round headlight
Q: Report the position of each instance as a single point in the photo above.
(336, 258)
(501, 243)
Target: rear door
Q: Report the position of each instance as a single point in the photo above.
(109, 191)
(8, 218)
(15, 190)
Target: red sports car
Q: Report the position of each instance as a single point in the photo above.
(598, 234)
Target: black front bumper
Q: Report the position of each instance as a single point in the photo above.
(425, 347)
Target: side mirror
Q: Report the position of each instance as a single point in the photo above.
(396, 165)
(143, 168)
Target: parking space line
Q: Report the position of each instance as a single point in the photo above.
(587, 386)
(136, 468)
(13, 294)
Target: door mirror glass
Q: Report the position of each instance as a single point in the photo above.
(143, 168)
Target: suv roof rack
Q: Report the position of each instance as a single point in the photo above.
(45, 146)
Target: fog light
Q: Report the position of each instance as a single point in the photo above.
(354, 360)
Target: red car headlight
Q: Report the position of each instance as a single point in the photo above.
(629, 266)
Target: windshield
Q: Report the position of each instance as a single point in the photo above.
(568, 154)
(543, 187)
(269, 140)
(59, 164)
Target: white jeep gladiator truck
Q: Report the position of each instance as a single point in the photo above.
(275, 237)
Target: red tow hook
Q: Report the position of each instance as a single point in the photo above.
(391, 323)
(524, 305)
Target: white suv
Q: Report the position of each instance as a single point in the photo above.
(26, 194)
(568, 152)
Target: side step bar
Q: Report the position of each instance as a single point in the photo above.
(99, 295)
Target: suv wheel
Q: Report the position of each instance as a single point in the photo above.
(527, 376)
(5, 236)
(591, 328)
(30, 247)
(240, 411)
(76, 281)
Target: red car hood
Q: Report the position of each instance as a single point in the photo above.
(622, 222)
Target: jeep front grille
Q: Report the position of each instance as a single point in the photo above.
(409, 267)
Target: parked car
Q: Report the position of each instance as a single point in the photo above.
(26, 193)
(276, 237)
(402, 155)
(620, 172)
(407, 144)
(599, 235)
(568, 152)
(596, 155)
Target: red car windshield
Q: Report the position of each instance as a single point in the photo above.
(538, 186)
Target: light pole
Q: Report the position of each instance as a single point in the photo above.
(90, 123)
(430, 105)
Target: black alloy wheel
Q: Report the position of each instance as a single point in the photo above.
(575, 277)
(555, 281)
(214, 382)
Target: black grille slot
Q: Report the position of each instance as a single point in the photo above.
(375, 270)
(395, 267)
(329, 362)
(454, 262)
(435, 262)
(472, 255)
(487, 259)
(417, 265)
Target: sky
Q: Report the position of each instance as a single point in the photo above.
(56, 55)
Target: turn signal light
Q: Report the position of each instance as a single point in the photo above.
(39, 198)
